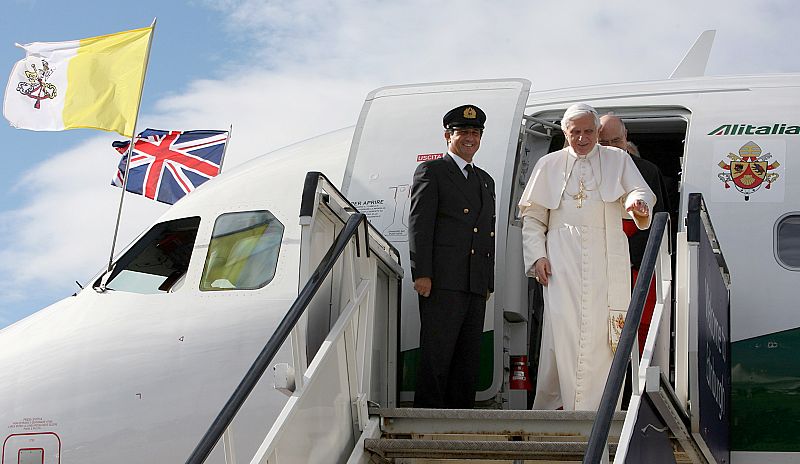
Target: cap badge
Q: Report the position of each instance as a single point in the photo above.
(469, 113)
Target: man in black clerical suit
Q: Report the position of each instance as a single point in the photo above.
(613, 133)
(451, 241)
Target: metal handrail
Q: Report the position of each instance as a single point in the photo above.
(298, 308)
(616, 375)
(260, 365)
(698, 222)
(307, 209)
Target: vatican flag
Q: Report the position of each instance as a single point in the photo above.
(89, 83)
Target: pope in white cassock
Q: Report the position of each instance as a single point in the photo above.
(572, 211)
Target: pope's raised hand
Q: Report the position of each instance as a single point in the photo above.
(640, 209)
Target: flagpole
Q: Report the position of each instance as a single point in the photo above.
(225, 148)
(130, 153)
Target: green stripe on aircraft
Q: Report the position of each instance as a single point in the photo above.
(410, 358)
(765, 397)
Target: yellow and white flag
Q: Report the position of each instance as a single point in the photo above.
(91, 83)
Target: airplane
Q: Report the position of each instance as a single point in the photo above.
(136, 366)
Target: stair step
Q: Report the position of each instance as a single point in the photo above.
(418, 421)
(488, 413)
(477, 449)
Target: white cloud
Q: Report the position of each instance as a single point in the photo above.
(267, 110)
(553, 44)
(63, 232)
(309, 65)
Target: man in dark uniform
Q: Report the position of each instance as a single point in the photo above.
(613, 133)
(451, 241)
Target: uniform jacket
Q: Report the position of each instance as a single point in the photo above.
(451, 230)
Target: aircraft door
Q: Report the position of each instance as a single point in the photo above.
(400, 127)
(31, 448)
(535, 142)
(321, 312)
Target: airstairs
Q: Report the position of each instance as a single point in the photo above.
(430, 435)
(344, 406)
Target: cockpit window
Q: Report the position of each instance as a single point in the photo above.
(787, 241)
(158, 261)
(243, 252)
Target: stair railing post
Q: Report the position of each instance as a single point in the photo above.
(227, 443)
(619, 365)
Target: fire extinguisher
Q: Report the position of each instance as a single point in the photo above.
(519, 378)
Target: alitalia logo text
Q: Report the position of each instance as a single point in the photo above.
(750, 129)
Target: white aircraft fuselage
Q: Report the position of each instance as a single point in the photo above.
(129, 377)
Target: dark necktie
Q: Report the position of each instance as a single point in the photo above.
(473, 182)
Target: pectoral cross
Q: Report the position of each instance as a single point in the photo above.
(581, 195)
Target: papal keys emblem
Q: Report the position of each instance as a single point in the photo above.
(748, 170)
(37, 86)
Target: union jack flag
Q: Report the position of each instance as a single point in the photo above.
(166, 165)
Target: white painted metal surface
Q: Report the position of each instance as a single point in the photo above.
(326, 416)
(105, 373)
(131, 378)
(696, 59)
(380, 170)
(656, 346)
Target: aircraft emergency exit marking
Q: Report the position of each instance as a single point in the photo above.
(33, 423)
(428, 156)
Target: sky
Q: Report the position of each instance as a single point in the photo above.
(279, 72)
